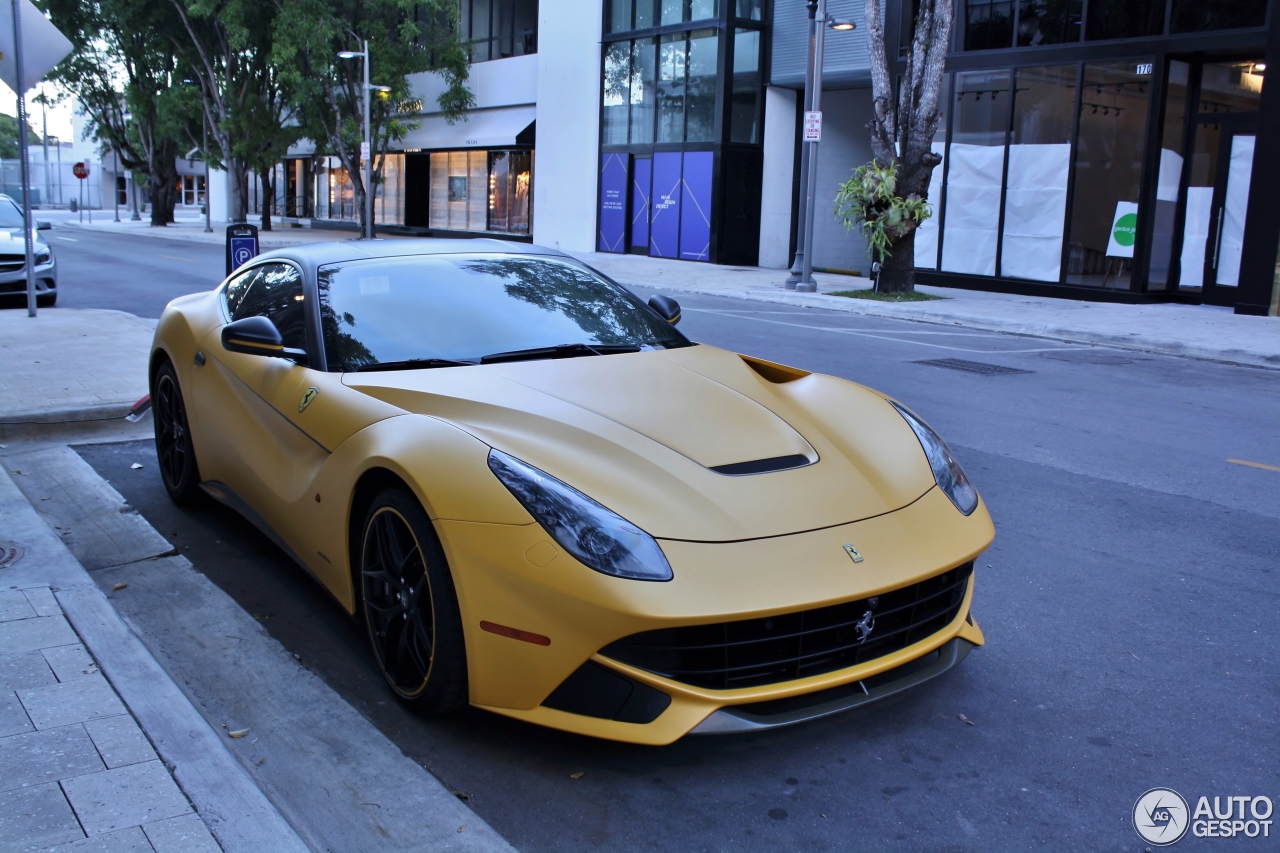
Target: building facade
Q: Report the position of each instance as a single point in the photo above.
(1096, 149)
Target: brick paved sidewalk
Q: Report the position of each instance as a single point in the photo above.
(73, 761)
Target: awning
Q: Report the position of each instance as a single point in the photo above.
(495, 128)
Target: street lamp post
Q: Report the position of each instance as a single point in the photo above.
(821, 23)
(797, 264)
(208, 196)
(366, 150)
(115, 183)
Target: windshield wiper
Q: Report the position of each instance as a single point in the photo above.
(557, 351)
(412, 364)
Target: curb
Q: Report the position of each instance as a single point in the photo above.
(65, 422)
(236, 811)
(266, 240)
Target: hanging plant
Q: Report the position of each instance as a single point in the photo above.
(869, 201)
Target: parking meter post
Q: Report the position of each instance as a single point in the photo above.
(242, 245)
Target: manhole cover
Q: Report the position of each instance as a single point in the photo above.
(1084, 356)
(973, 366)
(10, 553)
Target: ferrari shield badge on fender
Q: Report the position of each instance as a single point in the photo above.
(854, 553)
(311, 395)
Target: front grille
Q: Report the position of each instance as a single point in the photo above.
(7, 265)
(796, 645)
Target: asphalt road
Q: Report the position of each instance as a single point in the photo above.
(1129, 605)
(139, 275)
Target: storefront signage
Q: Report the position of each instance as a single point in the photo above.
(813, 126)
(613, 198)
(664, 223)
(1124, 230)
(695, 204)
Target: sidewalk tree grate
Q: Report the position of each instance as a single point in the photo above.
(10, 553)
(973, 366)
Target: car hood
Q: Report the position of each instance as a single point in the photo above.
(642, 432)
(11, 241)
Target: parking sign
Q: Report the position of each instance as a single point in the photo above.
(242, 245)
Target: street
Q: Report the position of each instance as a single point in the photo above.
(1128, 604)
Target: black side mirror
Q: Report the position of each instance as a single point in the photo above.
(666, 307)
(43, 225)
(258, 336)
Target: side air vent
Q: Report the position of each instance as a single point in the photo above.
(762, 466)
(776, 373)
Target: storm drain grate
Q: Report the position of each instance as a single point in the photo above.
(973, 366)
(10, 553)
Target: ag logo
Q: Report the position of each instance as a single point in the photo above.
(854, 553)
(308, 397)
(1160, 817)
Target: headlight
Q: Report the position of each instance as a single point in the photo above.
(597, 537)
(44, 258)
(947, 472)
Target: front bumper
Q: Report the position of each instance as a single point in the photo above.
(15, 281)
(545, 592)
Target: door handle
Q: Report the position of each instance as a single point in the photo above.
(1217, 240)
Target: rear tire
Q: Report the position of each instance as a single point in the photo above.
(410, 606)
(174, 450)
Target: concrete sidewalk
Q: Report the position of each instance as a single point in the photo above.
(98, 745)
(192, 231)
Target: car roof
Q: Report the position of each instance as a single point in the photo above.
(314, 255)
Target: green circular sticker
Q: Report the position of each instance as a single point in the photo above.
(1126, 229)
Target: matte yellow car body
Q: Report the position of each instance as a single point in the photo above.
(637, 432)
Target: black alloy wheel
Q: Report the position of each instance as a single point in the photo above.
(174, 451)
(410, 607)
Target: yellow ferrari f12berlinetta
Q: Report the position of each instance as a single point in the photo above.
(545, 501)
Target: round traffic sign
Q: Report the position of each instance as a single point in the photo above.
(80, 170)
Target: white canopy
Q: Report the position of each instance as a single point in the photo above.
(494, 128)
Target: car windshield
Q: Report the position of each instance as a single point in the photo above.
(10, 215)
(434, 310)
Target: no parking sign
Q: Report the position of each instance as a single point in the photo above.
(242, 245)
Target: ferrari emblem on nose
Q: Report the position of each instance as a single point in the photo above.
(853, 553)
(311, 395)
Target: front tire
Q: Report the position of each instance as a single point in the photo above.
(174, 450)
(410, 607)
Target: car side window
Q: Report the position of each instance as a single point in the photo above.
(274, 292)
(237, 288)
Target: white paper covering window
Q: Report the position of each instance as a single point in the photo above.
(1035, 211)
(1231, 243)
(927, 233)
(1195, 235)
(973, 208)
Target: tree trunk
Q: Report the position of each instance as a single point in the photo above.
(163, 183)
(268, 197)
(237, 197)
(898, 271)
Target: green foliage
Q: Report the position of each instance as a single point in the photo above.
(869, 201)
(9, 137)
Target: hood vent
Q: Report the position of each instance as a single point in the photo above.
(763, 466)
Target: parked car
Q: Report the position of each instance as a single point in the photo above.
(13, 258)
(543, 500)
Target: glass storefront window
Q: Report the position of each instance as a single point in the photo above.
(1230, 87)
(746, 86)
(700, 110)
(1035, 205)
(498, 29)
(1191, 16)
(1048, 22)
(1108, 175)
(980, 128)
(390, 198)
(643, 88)
(617, 92)
(1118, 19)
(481, 191)
(1169, 178)
(672, 58)
(988, 24)
(752, 10)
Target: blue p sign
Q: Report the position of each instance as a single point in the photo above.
(242, 245)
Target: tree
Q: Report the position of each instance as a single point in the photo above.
(405, 37)
(902, 135)
(123, 71)
(9, 137)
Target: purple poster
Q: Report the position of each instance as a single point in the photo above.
(664, 220)
(641, 181)
(613, 203)
(695, 204)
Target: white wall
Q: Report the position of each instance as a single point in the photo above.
(566, 166)
(776, 182)
(497, 83)
(845, 145)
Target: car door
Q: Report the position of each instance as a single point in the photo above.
(257, 453)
